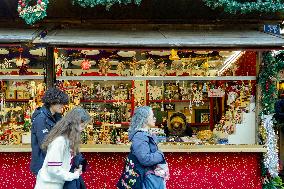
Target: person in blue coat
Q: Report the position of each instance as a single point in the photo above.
(144, 148)
(43, 120)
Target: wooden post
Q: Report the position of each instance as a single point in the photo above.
(258, 96)
(50, 67)
(211, 121)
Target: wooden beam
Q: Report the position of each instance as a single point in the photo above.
(50, 67)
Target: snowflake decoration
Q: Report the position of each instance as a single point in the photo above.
(134, 66)
(162, 68)
(197, 97)
(148, 68)
(119, 100)
(155, 92)
(62, 61)
(6, 64)
(120, 68)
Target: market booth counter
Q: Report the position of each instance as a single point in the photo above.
(191, 166)
(204, 102)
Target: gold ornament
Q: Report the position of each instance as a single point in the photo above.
(174, 55)
(104, 66)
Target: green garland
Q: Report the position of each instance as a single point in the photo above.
(268, 79)
(106, 3)
(236, 7)
(32, 14)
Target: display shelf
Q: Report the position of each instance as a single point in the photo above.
(21, 77)
(18, 123)
(157, 78)
(199, 124)
(104, 101)
(17, 100)
(166, 147)
(172, 101)
(123, 124)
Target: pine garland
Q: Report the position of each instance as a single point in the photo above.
(271, 65)
(237, 7)
(106, 3)
(267, 80)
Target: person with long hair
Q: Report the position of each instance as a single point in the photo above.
(149, 161)
(61, 144)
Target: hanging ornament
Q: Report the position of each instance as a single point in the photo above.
(86, 65)
(162, 68)
(104, 66)
(120, 68)
(21, 61)
(6, 64)
(148, 68)
(155, 92)
(133, 66)
(32, 14)
(176, 67)
(174, 55)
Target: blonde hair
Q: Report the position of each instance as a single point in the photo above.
(68, 127)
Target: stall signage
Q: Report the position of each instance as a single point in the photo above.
(216, 93)
(274, 29)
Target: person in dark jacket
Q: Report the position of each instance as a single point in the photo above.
(43, 120)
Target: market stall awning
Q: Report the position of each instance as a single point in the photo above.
(160, 38)
(14, 35)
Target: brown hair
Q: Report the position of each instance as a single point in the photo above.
(68, 127)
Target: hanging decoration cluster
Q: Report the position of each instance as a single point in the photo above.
(106, 3)
(238, 7)
(32, 14)
(271, 65)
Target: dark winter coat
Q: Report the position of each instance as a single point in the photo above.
(77, 183)
(42, 123)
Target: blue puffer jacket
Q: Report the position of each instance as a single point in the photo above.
(42, 123)
(144, 147)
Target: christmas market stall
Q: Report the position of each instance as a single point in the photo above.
(202, 86)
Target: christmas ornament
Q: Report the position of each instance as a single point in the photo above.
(104, 66)
(32, 14)
(6, 64)
(134, 66)
(174, 55)
(162, 68)
(148, 67)
(155, 92)
(120, 68)
(86, 65)
(271, 157)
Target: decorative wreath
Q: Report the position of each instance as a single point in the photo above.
(32, 14)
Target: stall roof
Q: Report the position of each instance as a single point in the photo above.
(160, 38)
(15, 35)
